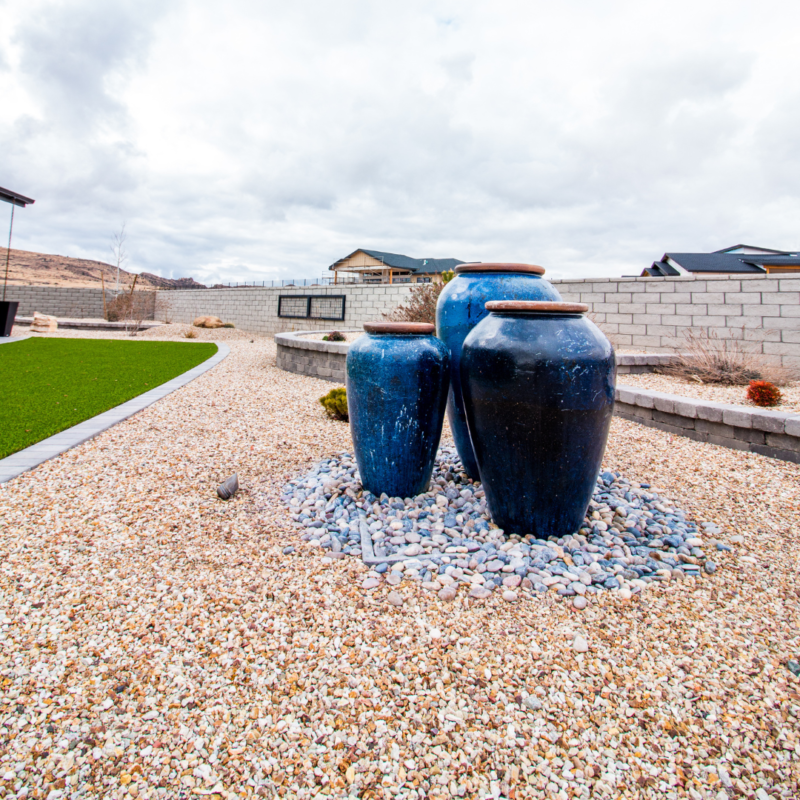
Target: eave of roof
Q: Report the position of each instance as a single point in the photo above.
(15, 198)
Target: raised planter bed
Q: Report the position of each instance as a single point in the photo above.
(326, 360)
(769, 433)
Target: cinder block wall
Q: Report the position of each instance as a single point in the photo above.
(60, 301)
(57, 301)
(652, 314)
(646, 314)
(255, 309)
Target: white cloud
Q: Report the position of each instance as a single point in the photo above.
(266, 140)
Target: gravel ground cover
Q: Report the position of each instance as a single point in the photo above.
(156, 642)
(736, 395)
(445, 537)
(52, 384)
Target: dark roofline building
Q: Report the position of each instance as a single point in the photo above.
(737, 260)
(376, 266)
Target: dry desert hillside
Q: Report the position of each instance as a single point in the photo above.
(40, 269)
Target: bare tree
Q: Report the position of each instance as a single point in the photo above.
(119, 251)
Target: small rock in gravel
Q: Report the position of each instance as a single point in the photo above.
(532, 703)
(793, 667)
(395, 599)
(579, 644)
(509, 596)
(447, 594)
(394, 578)
(288, 550)
(579, 602)
(479, 592)
(371, 583)
(228, 487)
(710, 567)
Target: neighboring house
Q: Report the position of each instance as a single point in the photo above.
(741, 259)
(374, 266)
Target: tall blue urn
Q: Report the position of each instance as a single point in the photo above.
(397, 379)
(461, 306)
(538, 382)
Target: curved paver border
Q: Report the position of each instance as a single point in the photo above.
(55, 445)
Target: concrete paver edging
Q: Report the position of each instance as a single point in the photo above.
(30, 457)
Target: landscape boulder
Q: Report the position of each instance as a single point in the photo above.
(42, 323)
(207, 322)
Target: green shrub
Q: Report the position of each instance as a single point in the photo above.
(334, 336)
(228, 325)
(335, 404)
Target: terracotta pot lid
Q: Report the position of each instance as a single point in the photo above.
(537, 306)
(499, 266)
(399, 328)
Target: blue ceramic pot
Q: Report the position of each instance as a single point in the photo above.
(538, 383)
(461, 306)
(397, 379)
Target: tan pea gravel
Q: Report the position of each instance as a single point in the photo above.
(156, 643)
(736, 395)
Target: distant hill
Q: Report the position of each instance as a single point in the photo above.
(40, 269)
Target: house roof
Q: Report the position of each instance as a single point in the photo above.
(750, 247)
(420, 266)
(660, 269)
(716, 262)
(782, 260)
(14, 198)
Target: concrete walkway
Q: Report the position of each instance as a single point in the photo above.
(30, 457)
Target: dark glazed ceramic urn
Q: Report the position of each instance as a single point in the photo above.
(397, 379)
(538, 382)
(461, 306)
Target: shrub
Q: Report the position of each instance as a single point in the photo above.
(190, 334)
(708, 358)
(763, 393)
(334, 336)
(228, 325)
(335, 404)
(421, 302)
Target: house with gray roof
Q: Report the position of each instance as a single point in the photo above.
(740, 259)
(375, 266)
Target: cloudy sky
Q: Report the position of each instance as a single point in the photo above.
(261, 139)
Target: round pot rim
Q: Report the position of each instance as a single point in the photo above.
(400, 328)
(536, 307)
(499, 266)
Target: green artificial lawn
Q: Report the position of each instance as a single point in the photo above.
(48, 385)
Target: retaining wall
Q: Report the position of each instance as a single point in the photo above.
(63, 301)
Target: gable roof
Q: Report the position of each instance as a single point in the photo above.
(419, 266)
(750, 247)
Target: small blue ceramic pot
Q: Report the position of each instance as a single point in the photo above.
(397, 380)
(461, 306)
(538, 382)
